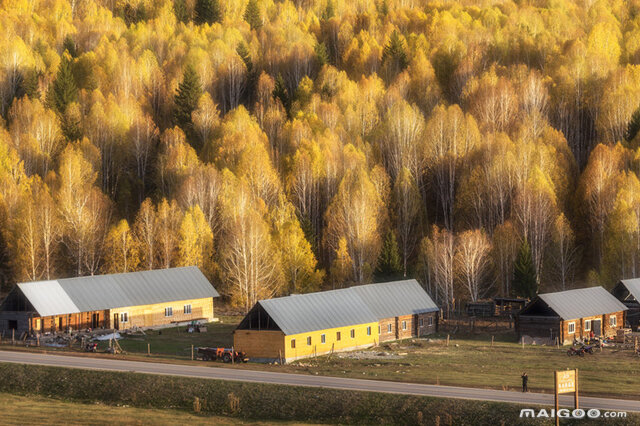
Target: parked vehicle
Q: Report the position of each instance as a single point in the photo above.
(225, 354)
(588, 349)
(575, 351)
(91, 347)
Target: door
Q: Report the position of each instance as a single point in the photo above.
(13, 324)
(596, 326)
(116, 322)
(60, 323)
(95, 320)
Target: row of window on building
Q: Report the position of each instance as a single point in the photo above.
(168, 312)
(571, 327)
(323, 337)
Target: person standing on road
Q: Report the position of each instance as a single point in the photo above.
(525, 379)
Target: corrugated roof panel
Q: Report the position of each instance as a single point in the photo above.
(48, 298)
(633, 285)
(101, 292)
(582, 302)
(349, 306)
(317, 311)
(387, 300)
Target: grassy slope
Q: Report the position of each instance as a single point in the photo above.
(18, 410)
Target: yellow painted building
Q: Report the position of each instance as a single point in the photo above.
(307, 325)
(144, 299)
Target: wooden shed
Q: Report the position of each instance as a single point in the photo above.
(628, 292)
(571, 314)
(300, 326)
(145, 299)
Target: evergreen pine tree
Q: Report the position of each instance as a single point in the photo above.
(280, 92)
(389, 263)
(180, 10)
(252, 15)
(394, 56)
(633, 127)
(28, 85)
(207, 11)
(70, 46)
(322, 56)
(524, 273)
(186, 100)
(245, 55)
(64, 90)
(329, 10)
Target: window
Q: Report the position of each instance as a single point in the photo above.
(187, 309)
(404, 325)
(613, 321)
(323, 338)
(338, 336)
(421, 322)
(379, 332)
(587, 325)
(124, 317)
(388, 328)
(293, 343)
(572, 327)
(368, 331)
(168, 312)
(353, 333)
(309, 341)
(430, 320)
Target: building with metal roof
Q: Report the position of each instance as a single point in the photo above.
(302, 325)
(571, 314)
(143, 299)
(628, 292)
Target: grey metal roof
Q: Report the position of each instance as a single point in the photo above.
(99, 292)
(633, 286)
(302, 313)
(48, 298)
(582, 302)
(388, 300)
(350, 306)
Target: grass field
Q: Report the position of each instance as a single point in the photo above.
(469, 360)
(36, 410)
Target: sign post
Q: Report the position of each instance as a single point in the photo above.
(566, 381)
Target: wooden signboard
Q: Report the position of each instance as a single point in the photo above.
(566, 381)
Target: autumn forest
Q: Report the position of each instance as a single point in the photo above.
(483, 147)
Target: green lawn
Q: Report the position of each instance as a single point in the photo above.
(469, 360)
(473, 362)
(36, 410)
(176, 342)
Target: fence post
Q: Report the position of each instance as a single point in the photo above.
(447, 340)
(148, 349)
(233, 355)
(13, 336)
(191, 352)
(522, 342)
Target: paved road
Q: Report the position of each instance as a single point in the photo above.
(311, 381)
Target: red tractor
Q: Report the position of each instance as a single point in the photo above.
(225, 354)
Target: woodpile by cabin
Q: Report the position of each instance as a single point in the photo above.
(300, 326)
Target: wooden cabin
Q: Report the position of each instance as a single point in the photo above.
(119, 301)
(571, 314)
(305, 325)
(628, 292)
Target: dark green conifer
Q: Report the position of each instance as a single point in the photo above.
(525, 283)
(186, 100)
(64, 89)
(207, 11)
(252, 15)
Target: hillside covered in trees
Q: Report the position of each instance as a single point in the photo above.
(483, 147)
